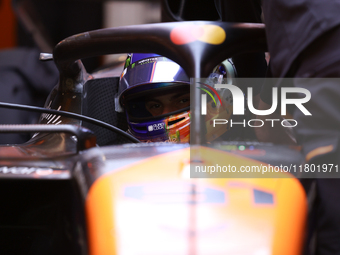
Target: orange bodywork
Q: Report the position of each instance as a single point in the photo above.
(154, 207)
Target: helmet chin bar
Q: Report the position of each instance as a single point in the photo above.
(174, 127)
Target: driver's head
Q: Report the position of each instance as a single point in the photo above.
(155, 94)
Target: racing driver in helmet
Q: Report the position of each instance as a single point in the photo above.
(155, 94)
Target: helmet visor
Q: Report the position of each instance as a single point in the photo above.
(158, 102)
